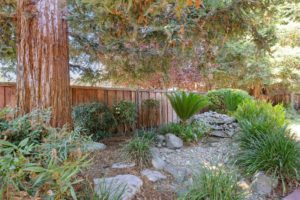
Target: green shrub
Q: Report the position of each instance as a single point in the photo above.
(187, 132)
(23, 169)
(138, 150)
(3, 121)
(214, 184)
(95, 119)
(150, 134)
(226, 100)
(37, 165)
(187, 104)
(125, 113)
(276, 154)
(32, 126)
(257, 117)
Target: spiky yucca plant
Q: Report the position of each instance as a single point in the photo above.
(187, 104)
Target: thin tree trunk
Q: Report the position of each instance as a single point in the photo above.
(43, 78)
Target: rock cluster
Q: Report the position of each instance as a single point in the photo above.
(221, 125)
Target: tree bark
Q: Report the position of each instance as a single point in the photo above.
(43, 78)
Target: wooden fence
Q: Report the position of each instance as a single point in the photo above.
(81, 94)
(163, 115)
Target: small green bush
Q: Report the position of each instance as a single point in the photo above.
(187, 104)
(33, 168)
(138, 150)
(226, 100)
(276, 154)
(32, 126)
(95, 119)
(125, 113)
(187, 132)
(214, 184)
(257, 117)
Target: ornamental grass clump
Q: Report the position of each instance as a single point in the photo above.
(187, 104)
(275, 153)
(214, 184)
(138, 150)
(265, 142)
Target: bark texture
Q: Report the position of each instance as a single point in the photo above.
(43, 78)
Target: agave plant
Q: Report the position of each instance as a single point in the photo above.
(187, 104)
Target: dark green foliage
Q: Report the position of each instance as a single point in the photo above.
(32, 126)
(148, 134)
(275, 153)
(214, 184)
(226, 100)
(187, 132)
(265, 143)
(34, 167)
(187, 104)
(95, 119)
(125, 114)
(257, 117)
(138, 150)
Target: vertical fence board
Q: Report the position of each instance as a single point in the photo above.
(2, 97)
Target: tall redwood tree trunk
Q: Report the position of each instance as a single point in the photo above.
(43, 78)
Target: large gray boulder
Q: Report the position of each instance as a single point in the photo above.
(122, 187)
(152, 175)
(173, 142)
(263, 184)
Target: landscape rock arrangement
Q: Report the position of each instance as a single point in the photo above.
(221, 125)
(171, 159)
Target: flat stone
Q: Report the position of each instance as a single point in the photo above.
(173, 142)
(152, 175)
(293, 196)
(122, 165)
(262, 184)
(157, 161)
(93, 146)
(219, 134)
(122, 187)
(180, 174)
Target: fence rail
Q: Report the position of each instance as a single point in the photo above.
(163, 115)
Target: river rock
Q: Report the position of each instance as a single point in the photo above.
(152, 175)
(122, 165)
(123, 186)
(263, 184)
(173, 142)
(93, 146)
